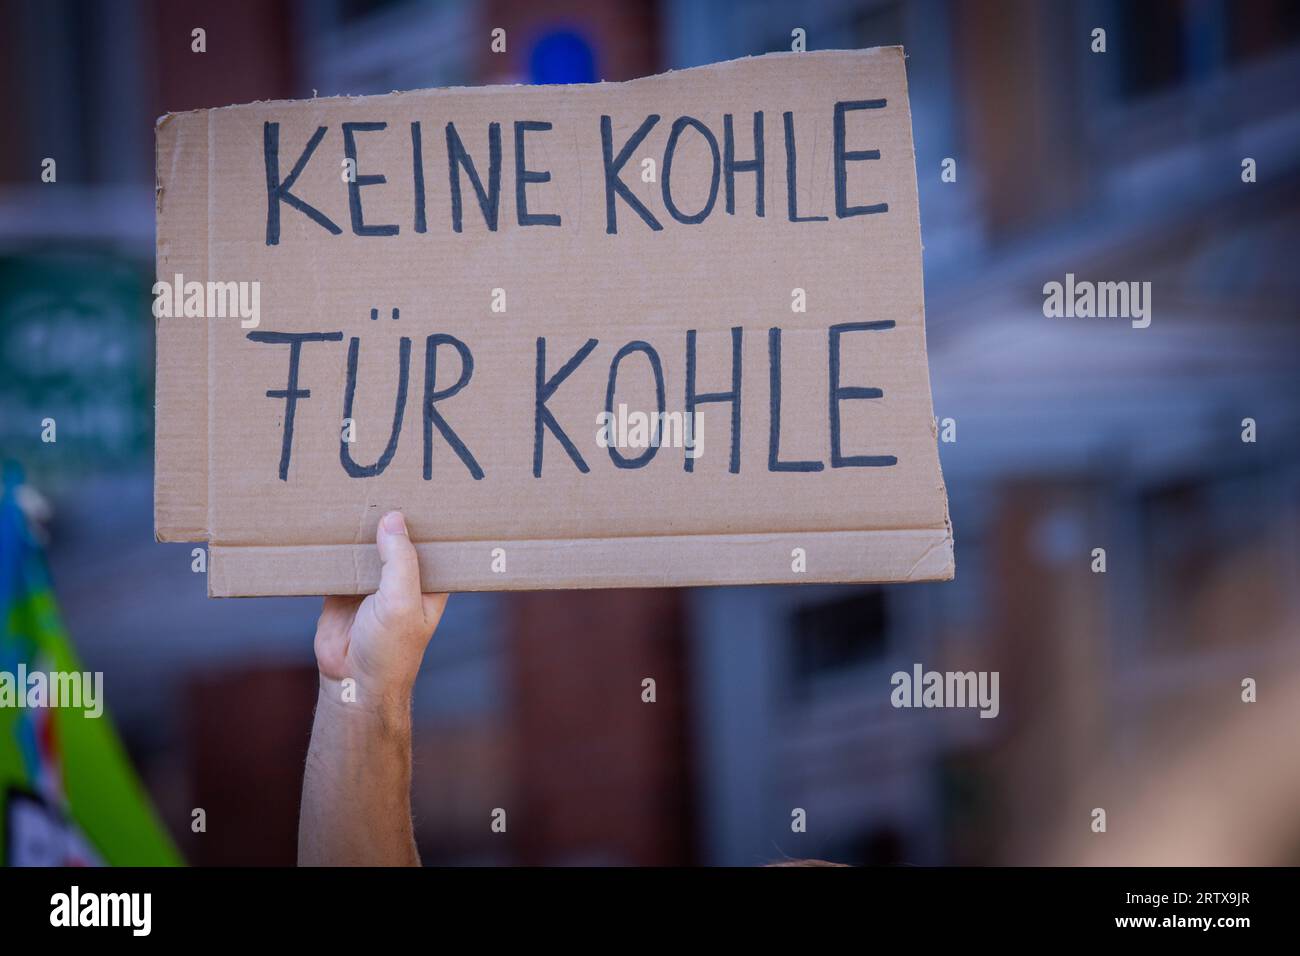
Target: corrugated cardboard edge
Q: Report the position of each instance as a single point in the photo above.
(661, 561)
(180, 491)
(719, 66)
(925, 366)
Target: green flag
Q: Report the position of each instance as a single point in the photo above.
(68, 795)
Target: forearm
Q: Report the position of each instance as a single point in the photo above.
(356, 794)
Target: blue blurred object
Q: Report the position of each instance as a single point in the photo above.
(562, 56)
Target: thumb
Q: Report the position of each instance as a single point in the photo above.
(399, 578)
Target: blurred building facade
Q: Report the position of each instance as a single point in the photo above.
(1071, 435)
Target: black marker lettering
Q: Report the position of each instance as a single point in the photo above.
(356, 181)
(791, 168)
(845, 156)
(839, 393)
(524, 176)
(730, 166)
(432, 395)
(678, 127)
(613, 164)
(693, 399)
(417, 174)
(489, 200)
(277, 191)
(404, 366)
(657, 369)
(291, 392)
(774, 434)
(542, 417)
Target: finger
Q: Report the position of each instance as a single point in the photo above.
(338, 606)
(433, 606)
(336, 613)
(399, 577)
(331, 643)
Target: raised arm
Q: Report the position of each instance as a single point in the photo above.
(356, 791)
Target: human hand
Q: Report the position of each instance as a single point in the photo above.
(379, 640)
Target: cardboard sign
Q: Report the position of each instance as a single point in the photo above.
(663, 332)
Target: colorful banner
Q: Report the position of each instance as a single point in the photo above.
(68, 795)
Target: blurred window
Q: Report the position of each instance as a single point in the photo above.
(1262, 27)
(1164, 44)
(836, 635)
(1212, 560)
(359, 9)
(880, 25)
(1151, 41)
